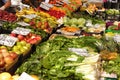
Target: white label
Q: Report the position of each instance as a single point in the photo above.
(2, 38)
(30, 16)
(25, 76)
(117, 38)
(46, 1)
(23, 23)
(79, 51)
(21, 31)
(7, 40)
(10, 41)
(46, 6)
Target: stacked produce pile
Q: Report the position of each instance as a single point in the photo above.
(64, 58)
(78, 57)
(37, 19)
(5, 16)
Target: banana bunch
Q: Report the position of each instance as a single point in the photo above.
(91, 8)
(25, 11)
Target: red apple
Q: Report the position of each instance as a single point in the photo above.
(2, 63)
(1, 56)
(33, 41)
(20, 37)
(13, 55)
(8, 59)
(38, 37)
(3, 50)
(13, 34)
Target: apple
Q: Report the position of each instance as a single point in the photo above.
(8, 59)
(1, 56)
(13, 34)
(13, 55)
(20, 37)
(28, 45)
(33, 41)
(3, 50)
(5, 76)
(23, 43)
(15, 48)
(2, 63)
(38, 37)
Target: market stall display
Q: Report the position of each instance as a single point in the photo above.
(60, 40)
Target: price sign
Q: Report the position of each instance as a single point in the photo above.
(30, 16)
(117, 38)
(2, 38)
(25, 76)
(79, 51)
(7, 40)
(10, 41)
(23, 23)
(21, 31)
(46, 6)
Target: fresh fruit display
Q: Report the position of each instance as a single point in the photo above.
(21, 47)
(5, 16)
(7, 57)
(53, 59)
(56, 12)
(112, 12)
(43, 20)
(30, 38)
(11, 26)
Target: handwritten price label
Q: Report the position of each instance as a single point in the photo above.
(25, 76)
(21, 31)
(46, 6)
(7, 40)
(79, 51)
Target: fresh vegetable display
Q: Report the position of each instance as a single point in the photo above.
(53, 57)
(112, 12)
(74, 22)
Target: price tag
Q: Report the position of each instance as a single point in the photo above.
(46, 6)
(30, 16)
(79, 51)
(116, 38)
(21, 31)
(2, 38)
(10, 41)
(23, 23)
(25, 76)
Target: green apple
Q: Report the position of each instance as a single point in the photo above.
(15, 48)
(23, 43)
